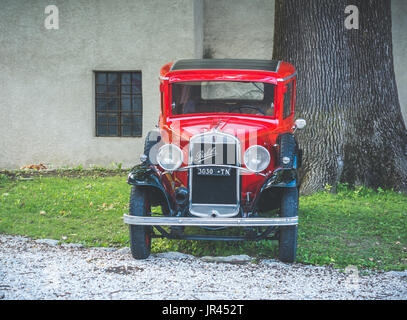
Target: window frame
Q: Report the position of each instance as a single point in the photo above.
(118, 96)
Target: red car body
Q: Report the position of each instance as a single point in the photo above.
(270, 127)
(267, 128)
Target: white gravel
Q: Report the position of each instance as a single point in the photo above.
(44, 270)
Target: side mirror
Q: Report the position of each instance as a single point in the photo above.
(300, 124)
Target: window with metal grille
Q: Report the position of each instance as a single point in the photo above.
(118, 104)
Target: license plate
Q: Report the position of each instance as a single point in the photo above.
(213, 171)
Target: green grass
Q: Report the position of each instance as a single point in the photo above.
(355, 226)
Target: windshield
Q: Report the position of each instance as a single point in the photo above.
(254, 98)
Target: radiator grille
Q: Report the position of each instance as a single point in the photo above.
(219, 190)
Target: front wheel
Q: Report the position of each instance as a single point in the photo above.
(140, 236)
(288, 234)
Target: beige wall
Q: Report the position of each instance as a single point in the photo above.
(239, 29)
(46, 76)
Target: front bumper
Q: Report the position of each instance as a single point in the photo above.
(210, 222)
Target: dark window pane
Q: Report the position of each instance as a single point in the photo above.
(101, 89)
(136, 131)
(131, 125)
(136, 77)
(126, 106)
(112, 104)
(102, 119)
(136, 82)
(112, 78)
(101, 104)
(113, 131)
(107, 104)
(126, 78)
(101, 130)
(126, 89)
(112, 90)
(107, 119)
(101, 78)
(126, 131)
(137, 103)
(136, 88)
(113, 120)
(127, 119)
(137, 125)
(287, 101)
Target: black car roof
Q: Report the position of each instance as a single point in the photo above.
(222, 64)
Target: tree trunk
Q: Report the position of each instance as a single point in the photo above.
(346, 90)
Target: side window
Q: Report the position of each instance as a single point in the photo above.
(118, 104)
(162, 102)
(288, 99)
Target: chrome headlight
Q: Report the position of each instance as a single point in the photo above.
(256, 158)
(170, 157)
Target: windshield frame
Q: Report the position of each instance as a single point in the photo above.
(269, 117)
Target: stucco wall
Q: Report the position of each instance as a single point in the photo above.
(238, 28)
(46, 76)
(198, 27)
(399, 29)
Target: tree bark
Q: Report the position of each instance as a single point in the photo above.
(346, 90)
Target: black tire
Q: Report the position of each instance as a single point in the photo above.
(140, 236)
(288, 235)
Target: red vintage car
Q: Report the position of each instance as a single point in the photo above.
(225, 156)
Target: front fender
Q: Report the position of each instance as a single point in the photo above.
(145, 176)
(281, 177)
(269, 195)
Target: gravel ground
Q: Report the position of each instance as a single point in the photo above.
(32, 269)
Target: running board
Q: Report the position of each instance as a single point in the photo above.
(210, 222)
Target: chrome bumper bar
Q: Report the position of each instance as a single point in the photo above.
(210, 222)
